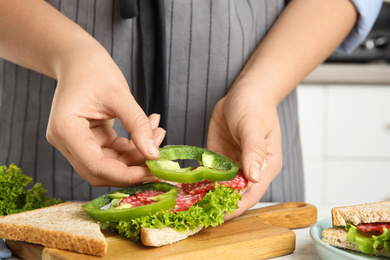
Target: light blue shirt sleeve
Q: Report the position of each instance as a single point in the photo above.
(368, 12)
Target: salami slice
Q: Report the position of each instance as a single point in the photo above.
(198, 187)
(144, 196)
(132, 200)
(177, 184)
(188, 193)
(240, 182)
(373, 227)
(185, 200)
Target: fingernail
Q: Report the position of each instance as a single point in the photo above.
(161, 137)
(153, 150)
(155, 121)
(254, 171)
(149, 179)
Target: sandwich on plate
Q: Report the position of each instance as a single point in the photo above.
(364, 228)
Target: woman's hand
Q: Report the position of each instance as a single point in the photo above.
(245, 127)
(91, 92)
(244, 124)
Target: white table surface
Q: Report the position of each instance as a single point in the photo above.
(304, 249)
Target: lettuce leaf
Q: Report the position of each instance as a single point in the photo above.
(367, 242)
(14, 198)
(209, 211)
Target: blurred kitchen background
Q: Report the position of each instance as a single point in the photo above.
(344, 109)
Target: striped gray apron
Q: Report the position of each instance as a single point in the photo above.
(206, 43)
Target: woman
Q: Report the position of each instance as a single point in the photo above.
(221, 74)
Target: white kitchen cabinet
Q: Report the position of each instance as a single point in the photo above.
(315, 180)
(353, 181)
(358, 121)
(312, 112)
(345, 133)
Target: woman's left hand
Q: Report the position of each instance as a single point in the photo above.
(245, 127)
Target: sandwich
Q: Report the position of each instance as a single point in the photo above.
(32, 216)
(62, 226)
(179, 204)
(364, 228)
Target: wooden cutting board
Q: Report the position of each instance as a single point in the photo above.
(257, 234)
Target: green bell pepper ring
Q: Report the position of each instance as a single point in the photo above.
(165, 201)
(213, 166)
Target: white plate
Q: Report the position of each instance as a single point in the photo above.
(327, 252)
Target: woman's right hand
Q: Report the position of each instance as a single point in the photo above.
(91, 92)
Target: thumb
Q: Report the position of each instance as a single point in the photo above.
(259, 146)
(138, 125)
(254, 153)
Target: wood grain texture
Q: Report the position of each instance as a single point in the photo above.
(288, 215)
(257, 234)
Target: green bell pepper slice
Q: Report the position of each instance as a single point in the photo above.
(165, 201)
(213, 166)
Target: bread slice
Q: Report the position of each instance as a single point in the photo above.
(363, 213)
(62, 226)
(338, 237)
(165, 236)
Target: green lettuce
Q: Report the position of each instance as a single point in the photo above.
(209, 211)
(14, 198)
(367, 242)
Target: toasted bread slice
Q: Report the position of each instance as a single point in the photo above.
(62, 226)
(338, 237)
(364, 213)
